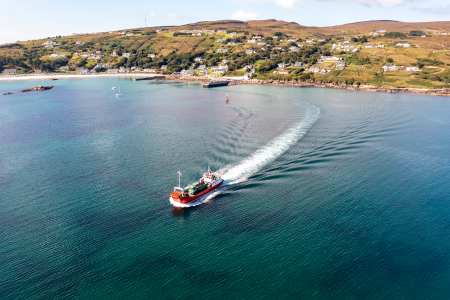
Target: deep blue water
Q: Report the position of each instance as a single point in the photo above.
(331, 194)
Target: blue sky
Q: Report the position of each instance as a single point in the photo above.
(31, 19)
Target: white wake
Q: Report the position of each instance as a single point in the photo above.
(249, 166)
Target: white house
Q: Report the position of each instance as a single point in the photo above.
(64, 68)
(96, 56)
(261, 43)
(315, 70)
(330, 58)
(164, 67)
(251, 41)
(320, 40)
(298, 64)
(334, 46)
(412, 69)
(380, 46)
(219, 70)
(187, 73)
(301, 45)
(390, 68)
(130, 33)
(126, 54)
(250, 51)
(403, 44)
(282, 65)
(222, 50)
(103, 65)
(369, 46)
(201, 67)
(292, 39)
(257, 37)
(58, 55)
(224, 61)
(355, 50)
(310, 41)
(79, 43)
(282, 72)
(149, 70)
(48, 46)
(340, 64)
(113, 71)
(152, 55)
(219, 41)
(199, 59)
(293, 49)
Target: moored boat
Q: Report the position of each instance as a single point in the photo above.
(209, 182)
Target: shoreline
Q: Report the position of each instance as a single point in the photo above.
(370, 88)
(68, 76)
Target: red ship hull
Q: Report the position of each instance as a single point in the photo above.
(184, 200)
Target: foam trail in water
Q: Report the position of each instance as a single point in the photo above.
(273, 149)
(242, 171)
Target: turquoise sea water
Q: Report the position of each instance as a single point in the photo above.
(330, 194)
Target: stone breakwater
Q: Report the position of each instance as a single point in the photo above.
(435, 92)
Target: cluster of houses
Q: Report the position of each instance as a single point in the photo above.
(346, 46)
(196, 32)
(9, 71)
(96, 55)
(379, 32)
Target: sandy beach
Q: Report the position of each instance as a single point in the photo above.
(68, 76)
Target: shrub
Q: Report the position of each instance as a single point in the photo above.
(416, 33)
(395, 35)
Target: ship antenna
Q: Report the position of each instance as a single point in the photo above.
(179, 179)
(209, 169)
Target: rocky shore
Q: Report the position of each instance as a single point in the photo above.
(435, 92)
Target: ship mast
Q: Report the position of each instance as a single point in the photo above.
(179, 179)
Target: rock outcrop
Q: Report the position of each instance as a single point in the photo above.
(38, 88)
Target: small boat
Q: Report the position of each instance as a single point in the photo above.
(209, 182)
(113, 88)
(119, 94)
(227, 98)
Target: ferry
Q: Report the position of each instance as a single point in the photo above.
(209, 182)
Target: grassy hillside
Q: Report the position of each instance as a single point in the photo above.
(177, 49)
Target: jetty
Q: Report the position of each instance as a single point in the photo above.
(215, 84)
(150, 78)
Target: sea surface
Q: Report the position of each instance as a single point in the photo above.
(329, 194)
